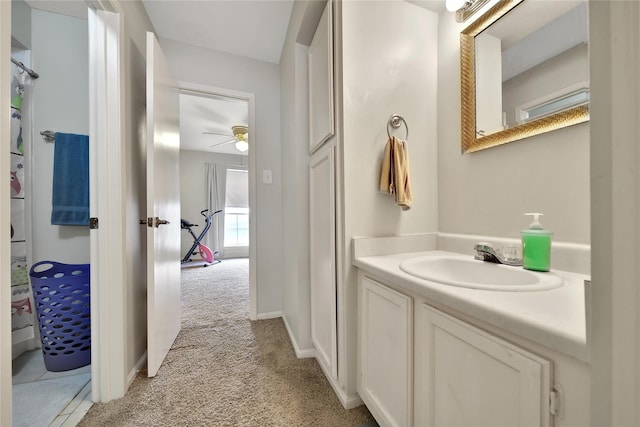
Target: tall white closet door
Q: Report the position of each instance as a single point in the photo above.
(323, 259)
(321, 127)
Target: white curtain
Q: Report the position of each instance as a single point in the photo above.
(215, 201)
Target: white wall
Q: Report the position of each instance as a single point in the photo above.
(388, 69)
(216, 69)
(566, 69)
(487, 192)
(193, 189)
(60, 54)
(615, 180)
(389, 63)
(20, 23)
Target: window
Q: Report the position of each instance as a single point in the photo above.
(236, 209)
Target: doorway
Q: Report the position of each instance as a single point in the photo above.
(214, 125)
(41, 387)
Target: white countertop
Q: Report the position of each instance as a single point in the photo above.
(552, 318)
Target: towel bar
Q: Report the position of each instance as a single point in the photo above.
(394, 121)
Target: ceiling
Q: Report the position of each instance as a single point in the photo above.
(214, 115)
(436, 6)
(70, 8)
(249, 28)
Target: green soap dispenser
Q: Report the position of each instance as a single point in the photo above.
(536, 246)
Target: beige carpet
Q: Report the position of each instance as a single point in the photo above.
(224, 370)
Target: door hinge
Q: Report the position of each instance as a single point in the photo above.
(555, 401)
(554, 404)
(93, 223)
(148, 222)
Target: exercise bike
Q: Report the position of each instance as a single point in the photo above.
(207, 255)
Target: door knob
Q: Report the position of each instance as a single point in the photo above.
(160, 222)
(151, 222)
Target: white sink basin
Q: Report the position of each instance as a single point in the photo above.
(467, 272)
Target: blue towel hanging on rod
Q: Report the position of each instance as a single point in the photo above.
(70, 201)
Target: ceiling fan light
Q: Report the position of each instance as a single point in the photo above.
(241, 136)
(239, 129)
(242, 146)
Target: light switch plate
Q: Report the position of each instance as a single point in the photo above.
(267, 177)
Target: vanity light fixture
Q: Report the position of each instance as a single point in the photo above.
(453, 5)
(464, 8)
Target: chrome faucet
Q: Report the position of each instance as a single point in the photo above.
(486, 252)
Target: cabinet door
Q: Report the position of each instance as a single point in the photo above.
(321, 81)
(385, 353)
(467, 377)
(323, 259)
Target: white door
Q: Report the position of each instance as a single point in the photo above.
(323, 269)
(163, 207)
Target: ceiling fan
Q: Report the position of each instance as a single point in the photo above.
(240, 134)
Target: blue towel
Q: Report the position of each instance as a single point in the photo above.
(70, 201)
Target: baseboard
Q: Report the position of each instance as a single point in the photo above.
(350, 402)
(21, 344)
(271, 315)
(138, 366)
(235, 252)
(300, 353)
(347, 401)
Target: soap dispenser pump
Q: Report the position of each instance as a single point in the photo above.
(536, 245)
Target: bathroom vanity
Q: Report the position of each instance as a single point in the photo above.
(437, 354)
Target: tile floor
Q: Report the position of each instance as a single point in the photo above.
(61, 398)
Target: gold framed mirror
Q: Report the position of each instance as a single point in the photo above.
(523, 71)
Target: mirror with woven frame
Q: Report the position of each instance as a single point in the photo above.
(524, 71)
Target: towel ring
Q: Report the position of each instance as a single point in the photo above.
(394, 121)
(48, 135)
